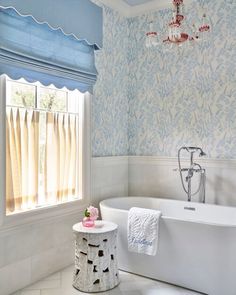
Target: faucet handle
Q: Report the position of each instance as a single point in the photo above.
(183, 169)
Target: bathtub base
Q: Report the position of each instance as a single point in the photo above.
(193, 255)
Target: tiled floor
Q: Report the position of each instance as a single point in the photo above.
(60, 284)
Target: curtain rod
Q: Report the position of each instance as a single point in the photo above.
(42, 110)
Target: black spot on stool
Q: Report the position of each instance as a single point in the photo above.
(112, 257)
(90, 262)
(85, 240)
(95, 246)
(77, 272)
(106, 270)
(105, 240)
(96, 282)
(100, 253)
(94, 268)
(83, 253)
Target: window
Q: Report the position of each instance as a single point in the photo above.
(43, 146)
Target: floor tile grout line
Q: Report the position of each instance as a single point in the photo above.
(68, 285)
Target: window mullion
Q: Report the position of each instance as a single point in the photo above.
(36, 97)
(67, 97)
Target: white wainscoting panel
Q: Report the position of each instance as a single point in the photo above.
(109, 178)
(155, 176)
(31, 252)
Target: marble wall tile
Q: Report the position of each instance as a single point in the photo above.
(63, 229)
(109, 178)
(18, 245)
(47, 245)
(15, 276)
(42, 237)
(2, 251)
(155, 177)
(47, 262)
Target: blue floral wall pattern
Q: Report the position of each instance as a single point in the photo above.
(184, 97)
(153, 101)
(110, 104)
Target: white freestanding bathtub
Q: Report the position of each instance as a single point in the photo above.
(197, 243)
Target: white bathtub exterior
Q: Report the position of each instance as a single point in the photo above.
(197, 249)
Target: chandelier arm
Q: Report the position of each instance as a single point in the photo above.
(179, 31)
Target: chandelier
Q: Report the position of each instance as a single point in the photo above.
(179, 31)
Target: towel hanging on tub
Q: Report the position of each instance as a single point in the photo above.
(143, 230)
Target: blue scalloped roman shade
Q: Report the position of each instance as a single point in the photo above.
(36, 50)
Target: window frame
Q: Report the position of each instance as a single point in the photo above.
(74, 206)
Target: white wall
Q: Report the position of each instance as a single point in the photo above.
(109, 178)
(31, 252)
(154, 176)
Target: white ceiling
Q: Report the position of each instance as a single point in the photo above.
(136, 2)
(130, 8)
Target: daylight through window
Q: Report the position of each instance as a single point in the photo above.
(42, 144)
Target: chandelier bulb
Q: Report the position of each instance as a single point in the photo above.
(151, 36)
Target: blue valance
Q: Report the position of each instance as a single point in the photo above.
(36, 52)
(81, 18)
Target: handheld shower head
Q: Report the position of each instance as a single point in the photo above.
(202, 154)
(193, 149)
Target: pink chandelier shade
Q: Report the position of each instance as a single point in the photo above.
(179, 31)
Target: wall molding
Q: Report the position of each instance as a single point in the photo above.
(166, 161)
(170, 161)
(156, 176)
(110, 160)
(48, 217)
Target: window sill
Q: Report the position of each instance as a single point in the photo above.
(46, 213)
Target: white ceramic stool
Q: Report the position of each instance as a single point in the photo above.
(96, 268)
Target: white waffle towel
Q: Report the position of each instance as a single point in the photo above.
(143, 230)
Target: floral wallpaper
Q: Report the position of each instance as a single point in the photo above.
(152, 101)
(110, 103)
(184, 97)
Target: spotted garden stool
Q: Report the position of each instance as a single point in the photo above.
(96, 268)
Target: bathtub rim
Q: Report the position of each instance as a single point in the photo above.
(186, 220)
